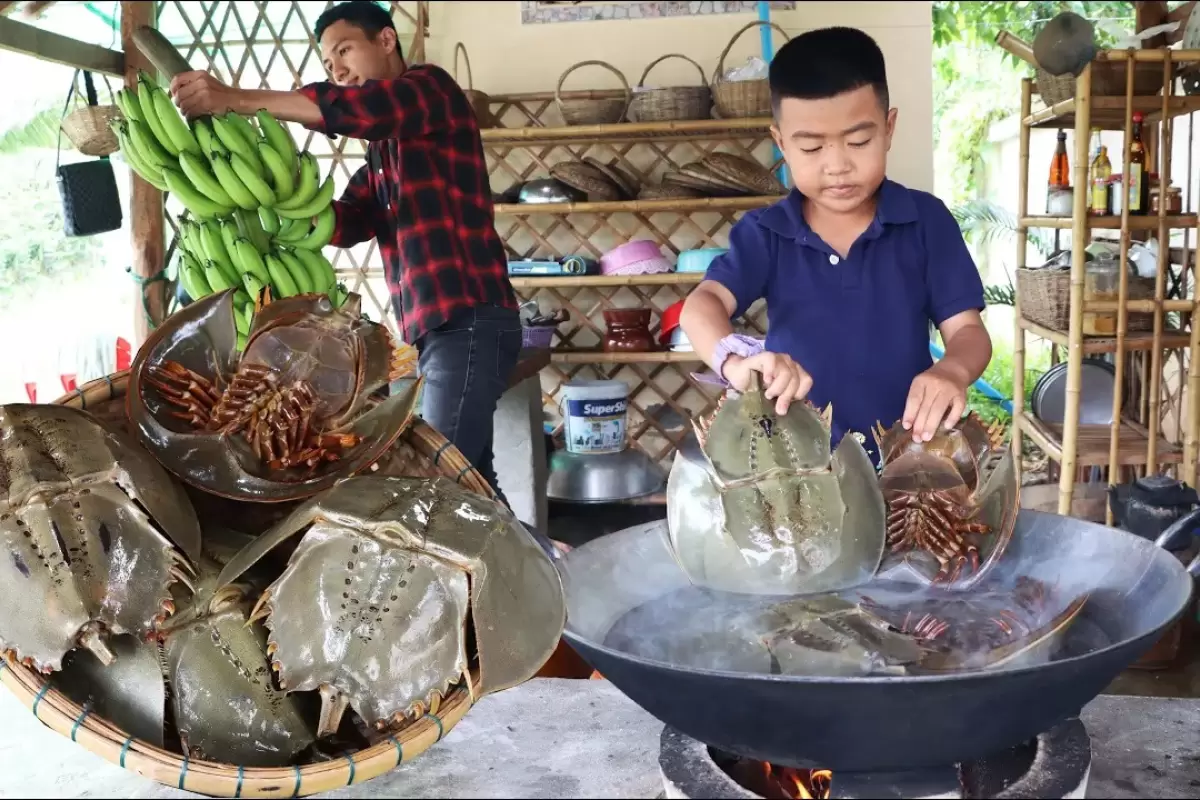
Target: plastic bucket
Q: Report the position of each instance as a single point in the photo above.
(594, 416)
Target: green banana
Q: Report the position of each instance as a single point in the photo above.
(306, 185)
(173, 124)
(146, 89)
(281, 279)
(148, 147)
(299, 272)
(215, 279)
(128, 103)
(313, 207)
(280, 174)
(251, 261)
(231, 138)
(240, 321)
(152, 175)
(242, 341)
(268, 219)
(322, 231)
(202, 130)
(250, 227)
(243, 126)
(228, 230)
(324, 279)
(214, 248)
(252, 180)
(293, 230)
(204, 180)
(195, 202)
(192, 278)
(280, 139)
(252, 284)
(231, 183)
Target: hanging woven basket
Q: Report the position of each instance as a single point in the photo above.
(739, 99)
(88, 127)
(481, 104)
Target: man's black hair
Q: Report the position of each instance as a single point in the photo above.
(825, 63)
(370, 16)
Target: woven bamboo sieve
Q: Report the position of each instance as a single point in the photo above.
(671, 103)
(481, 104)
(105, 399)
(734, 99)
(590, 109)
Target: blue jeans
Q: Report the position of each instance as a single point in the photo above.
(466, 363)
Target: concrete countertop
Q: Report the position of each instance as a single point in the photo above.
(553, 738)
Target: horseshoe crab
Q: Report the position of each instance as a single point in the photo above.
(394, 582)
(952, 502)
(92, 529)
(208, 668)
(297, 411)
(762, 507)
(982, 629)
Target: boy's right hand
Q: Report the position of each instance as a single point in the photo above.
(784, 379)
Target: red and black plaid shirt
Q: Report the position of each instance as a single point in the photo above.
(424, 194)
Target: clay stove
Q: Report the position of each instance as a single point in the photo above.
(1054, 765)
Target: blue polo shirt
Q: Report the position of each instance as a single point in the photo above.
(859, 325)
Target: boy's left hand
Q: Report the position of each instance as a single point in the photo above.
(938, 396)
(198, 93)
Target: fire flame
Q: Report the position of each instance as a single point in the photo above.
(797, 784)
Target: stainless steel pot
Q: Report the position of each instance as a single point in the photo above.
(603, 477)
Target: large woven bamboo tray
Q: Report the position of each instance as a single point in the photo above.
(420, 452)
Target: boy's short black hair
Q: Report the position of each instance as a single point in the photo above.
(370, 16)
(827, 62)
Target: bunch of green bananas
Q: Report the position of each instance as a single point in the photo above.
(261, 214)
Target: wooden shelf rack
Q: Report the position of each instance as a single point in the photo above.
(1137, 441)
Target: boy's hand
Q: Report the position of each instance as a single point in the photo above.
(938, 396)
(784, 379)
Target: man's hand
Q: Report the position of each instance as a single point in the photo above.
(784, 379)
(198, 93)
(938, 396)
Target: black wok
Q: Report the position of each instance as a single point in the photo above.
(883, 723)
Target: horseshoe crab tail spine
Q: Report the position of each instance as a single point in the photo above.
(91, 638)
(333, 708)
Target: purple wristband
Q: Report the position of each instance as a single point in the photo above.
(734, 344)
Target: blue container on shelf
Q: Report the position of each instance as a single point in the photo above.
(698, 260)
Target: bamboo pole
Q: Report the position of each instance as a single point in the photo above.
(681, 204)
(1079, 241)
(696, 128)
(1018, 399)
(1114, 440)
(1191, 441)
(1160, 281)
(147, 221)
(572, 281)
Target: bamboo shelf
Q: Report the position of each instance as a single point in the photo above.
(530, 140)
(576, 281)
(689, 204)
(1149, 365)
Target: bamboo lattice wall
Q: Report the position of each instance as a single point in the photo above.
(270, 45)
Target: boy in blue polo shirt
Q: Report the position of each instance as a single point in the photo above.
(853, 266)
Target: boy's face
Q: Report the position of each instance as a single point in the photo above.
(836, 148)
(352, 57)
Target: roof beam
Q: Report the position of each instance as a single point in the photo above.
(22, 38)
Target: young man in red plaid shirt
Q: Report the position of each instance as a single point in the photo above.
(423, 194)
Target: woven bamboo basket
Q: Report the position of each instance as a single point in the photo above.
(481, 104)
(736, 99)
(1108, 80)
(420, 452)
(88, 129)
(1046, 298)
(592, 108)
(671, 103)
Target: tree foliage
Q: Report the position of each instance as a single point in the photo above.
(973, 23)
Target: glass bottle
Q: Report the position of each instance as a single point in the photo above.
(1137, 181)
(1100, 204)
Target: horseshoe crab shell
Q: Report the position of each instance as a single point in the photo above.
(202, 338)
(373, 608)
(89, 526)
(762, 507)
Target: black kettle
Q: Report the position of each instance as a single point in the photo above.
(1158, 508)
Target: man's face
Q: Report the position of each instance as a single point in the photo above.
(836, 148)
(353, 58)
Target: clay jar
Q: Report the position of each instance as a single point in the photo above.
(628, 331)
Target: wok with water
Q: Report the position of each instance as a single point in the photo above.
(1134, 590)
